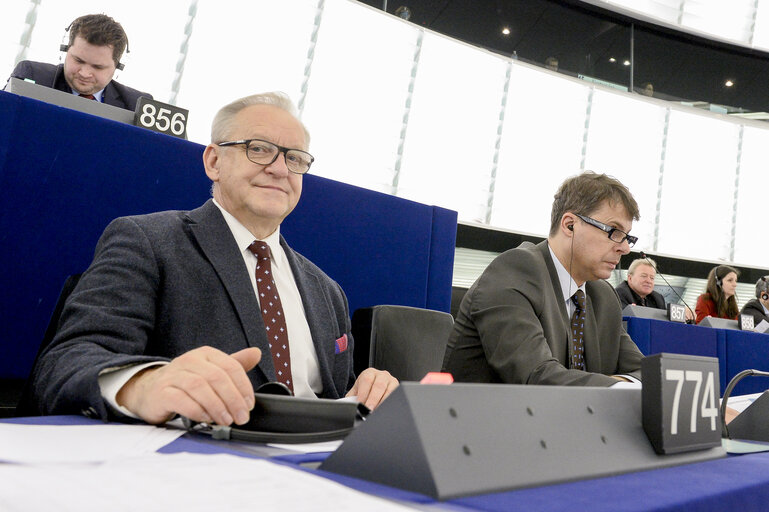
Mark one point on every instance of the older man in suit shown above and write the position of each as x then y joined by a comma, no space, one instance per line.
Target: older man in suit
638,289
187,312
543,314
96,45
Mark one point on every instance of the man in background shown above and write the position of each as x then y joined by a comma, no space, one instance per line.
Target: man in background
96,45
638,289
758,308
544,314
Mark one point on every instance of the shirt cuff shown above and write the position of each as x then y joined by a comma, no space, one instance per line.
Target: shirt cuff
112,379
633,384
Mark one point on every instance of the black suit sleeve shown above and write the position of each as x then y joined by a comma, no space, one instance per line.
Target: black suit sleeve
106,323
625,297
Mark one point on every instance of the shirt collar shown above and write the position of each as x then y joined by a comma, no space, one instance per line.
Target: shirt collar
97,95
244,238
568,285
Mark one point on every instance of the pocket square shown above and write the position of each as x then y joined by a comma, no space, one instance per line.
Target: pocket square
340,345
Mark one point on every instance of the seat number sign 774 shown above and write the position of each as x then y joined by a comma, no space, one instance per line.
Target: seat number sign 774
680,402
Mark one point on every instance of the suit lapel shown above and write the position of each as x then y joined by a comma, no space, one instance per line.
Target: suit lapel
112,97
217,243
59,82
545,251
564,339
317,311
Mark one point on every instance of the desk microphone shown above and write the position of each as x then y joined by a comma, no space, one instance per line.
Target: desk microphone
644,256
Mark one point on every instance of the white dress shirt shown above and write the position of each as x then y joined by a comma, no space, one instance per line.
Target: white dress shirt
568,288
305,368
97,95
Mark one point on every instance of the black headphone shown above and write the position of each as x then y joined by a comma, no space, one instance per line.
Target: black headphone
719,282
763,294
570,227
64,46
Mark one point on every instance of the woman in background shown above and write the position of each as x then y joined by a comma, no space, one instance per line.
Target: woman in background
719,300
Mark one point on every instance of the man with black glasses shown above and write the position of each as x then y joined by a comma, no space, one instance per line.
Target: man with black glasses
544,314
187,312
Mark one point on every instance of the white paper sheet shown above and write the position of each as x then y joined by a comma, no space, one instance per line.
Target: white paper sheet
183,481
328,446
80,443
742,402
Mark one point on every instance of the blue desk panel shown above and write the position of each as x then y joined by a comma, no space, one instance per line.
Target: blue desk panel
735,350
65,175
747,350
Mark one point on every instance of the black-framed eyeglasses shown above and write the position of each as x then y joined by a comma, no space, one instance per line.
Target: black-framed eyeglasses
615,235
264,152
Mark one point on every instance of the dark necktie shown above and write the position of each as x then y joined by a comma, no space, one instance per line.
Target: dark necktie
88,96
577,330
272,314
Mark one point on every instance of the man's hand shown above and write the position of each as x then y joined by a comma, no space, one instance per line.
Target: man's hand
730,414
204,384
372,386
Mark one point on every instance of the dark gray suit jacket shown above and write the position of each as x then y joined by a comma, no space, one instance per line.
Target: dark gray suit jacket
513,327
754,308
165,283
52,76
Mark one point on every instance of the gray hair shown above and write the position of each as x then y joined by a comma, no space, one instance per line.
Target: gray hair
762,286
641,261
221,127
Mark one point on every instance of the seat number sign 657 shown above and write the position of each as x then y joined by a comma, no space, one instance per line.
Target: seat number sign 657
680,402
161,117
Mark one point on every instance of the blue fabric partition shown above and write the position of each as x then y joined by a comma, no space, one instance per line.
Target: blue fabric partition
735,350
64,175
747,350
655,336
640,332
402,246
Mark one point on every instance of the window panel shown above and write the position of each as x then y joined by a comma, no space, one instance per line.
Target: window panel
541,145
12,26
750,242
697,204
728,20
665,10
625,141
761,27
243,48
452,130
357,94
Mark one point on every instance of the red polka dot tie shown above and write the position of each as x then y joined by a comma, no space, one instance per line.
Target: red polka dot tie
577,331
272,313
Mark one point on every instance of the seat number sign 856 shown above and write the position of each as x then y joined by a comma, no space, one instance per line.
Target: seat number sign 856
161,117
680,402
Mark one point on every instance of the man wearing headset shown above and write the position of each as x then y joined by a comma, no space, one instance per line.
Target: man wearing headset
96,44
758,308
544,314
